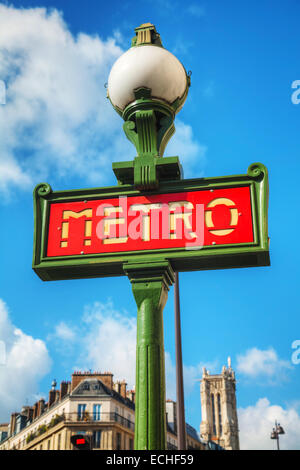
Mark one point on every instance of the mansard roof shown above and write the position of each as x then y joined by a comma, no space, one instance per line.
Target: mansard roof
94,388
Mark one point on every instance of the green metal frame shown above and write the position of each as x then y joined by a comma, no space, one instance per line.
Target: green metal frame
104,264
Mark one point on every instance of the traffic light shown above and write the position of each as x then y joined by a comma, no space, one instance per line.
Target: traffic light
81,442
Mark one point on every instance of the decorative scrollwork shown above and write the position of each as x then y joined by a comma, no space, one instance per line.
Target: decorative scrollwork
129,129
43,189
256,170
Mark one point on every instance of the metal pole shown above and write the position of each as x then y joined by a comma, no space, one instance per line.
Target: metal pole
150,285
277,435
181,431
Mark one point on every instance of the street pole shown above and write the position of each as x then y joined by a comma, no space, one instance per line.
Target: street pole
181,431
277,435
150,285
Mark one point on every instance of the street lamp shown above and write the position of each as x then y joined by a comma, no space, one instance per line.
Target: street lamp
275,433
148,86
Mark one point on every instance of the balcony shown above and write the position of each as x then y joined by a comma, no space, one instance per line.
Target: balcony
98,418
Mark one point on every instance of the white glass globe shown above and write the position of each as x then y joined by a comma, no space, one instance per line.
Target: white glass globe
146,66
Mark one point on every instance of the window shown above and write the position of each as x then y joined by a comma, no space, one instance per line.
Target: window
96,412
118,441
81,411
58,441
48,445
213,413
130,444
97,439
116,414
219,412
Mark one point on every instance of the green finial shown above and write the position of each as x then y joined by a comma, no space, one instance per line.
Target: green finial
146,34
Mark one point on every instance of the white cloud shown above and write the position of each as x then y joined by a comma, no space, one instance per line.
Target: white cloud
64,332
256,423
57,121
192,374
26,362
262,363
192,155
109,343
106,339
56,117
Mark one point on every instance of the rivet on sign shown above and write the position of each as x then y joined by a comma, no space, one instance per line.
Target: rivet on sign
211,190
240,213
213,243
82,252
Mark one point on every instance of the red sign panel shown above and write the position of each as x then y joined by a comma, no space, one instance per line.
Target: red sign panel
190,220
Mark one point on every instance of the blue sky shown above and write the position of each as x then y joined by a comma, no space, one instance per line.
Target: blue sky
57,126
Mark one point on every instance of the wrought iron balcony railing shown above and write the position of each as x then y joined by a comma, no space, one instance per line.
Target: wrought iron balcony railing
95,418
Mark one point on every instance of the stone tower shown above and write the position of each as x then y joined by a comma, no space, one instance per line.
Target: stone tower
218,406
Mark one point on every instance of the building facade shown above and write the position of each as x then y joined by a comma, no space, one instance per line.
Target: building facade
219,410
90,404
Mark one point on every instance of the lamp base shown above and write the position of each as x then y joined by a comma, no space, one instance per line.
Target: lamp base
153,171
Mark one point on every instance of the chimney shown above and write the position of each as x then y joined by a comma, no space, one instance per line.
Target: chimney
40,406
106,378
63,390
123,386
131,395
35,410
30,413
52,396
13,423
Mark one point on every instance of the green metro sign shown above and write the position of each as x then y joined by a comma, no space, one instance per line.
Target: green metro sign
153,223
195,224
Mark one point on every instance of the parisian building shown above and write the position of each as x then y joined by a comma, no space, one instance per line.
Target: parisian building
219,423
91,404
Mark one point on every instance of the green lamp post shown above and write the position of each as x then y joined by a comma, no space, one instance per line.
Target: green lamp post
147,86
75,238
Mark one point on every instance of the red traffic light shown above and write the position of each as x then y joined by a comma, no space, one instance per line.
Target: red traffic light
81,442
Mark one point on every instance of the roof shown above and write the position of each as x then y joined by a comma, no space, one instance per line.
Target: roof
92,387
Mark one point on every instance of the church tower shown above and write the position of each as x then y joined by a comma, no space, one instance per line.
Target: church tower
218,406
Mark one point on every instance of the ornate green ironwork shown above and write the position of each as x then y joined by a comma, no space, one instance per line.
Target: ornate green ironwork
149,125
